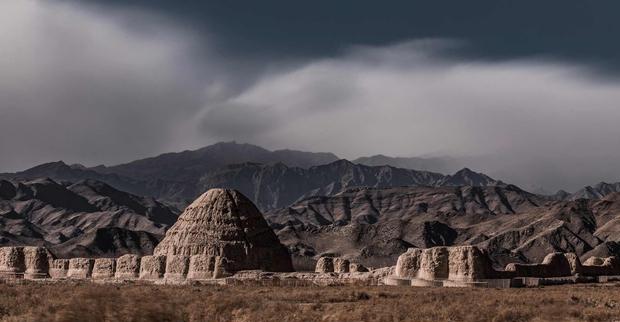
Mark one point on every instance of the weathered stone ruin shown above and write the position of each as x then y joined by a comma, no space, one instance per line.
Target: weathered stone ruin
574,262
434,263
325,265
37,261
127,267
553,265
12,261
201,267
59,268
408,264
439,265
341,265
329,264
225,223
104,268
152,267
80,268
222,267
470,266
469,263
597,266
176,267
219,234
357,268
222,237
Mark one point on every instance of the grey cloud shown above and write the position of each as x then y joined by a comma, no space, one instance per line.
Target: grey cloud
533,122
96,86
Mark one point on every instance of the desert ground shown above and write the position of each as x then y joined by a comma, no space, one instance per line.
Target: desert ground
85,301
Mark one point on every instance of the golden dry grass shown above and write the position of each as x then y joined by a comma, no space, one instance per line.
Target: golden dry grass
91,302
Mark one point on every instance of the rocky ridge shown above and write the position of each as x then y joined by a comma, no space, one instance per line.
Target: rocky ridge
373,226
85,218
271,179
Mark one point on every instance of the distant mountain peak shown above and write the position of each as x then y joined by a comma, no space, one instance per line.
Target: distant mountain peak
49,165
433,164
597,191
468,177
466,171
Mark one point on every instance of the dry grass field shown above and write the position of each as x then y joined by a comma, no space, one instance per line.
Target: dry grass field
92,302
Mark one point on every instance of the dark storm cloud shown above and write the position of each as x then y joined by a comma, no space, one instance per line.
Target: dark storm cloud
514,94
532,122
496,29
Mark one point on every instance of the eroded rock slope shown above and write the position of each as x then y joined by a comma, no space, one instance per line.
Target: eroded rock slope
83,219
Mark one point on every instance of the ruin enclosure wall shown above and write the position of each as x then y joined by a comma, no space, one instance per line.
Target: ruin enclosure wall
80,268
597,266
470,263
434,263
357,268
12,261
575,263
59,268
341,265
325,265
176,267
127,267
408,263
152,267
221,268
37,262
553,265
104,268
201,267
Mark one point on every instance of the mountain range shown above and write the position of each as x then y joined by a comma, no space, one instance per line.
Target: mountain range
433,164
374,226
272,179
317,203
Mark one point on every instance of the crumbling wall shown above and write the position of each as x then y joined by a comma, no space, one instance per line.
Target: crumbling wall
341,265
59,268
221,268
594,261
176,267
576,268
37,261
104,268
325,265
408,263
458,263
328,264
469,263
80,268
553,265
12,262
201,267
152,267
128,267
357,268
597,266
434,263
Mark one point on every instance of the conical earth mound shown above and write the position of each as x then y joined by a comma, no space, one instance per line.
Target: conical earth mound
225,223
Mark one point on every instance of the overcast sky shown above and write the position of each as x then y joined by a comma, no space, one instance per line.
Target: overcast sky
525,91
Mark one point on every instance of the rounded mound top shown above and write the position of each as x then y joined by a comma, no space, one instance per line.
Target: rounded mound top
223,222
214,194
